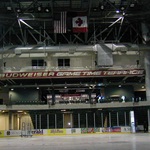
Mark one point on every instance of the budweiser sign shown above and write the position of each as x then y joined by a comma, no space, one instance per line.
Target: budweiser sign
63,74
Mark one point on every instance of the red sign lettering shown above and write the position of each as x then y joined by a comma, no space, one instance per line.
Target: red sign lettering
63,74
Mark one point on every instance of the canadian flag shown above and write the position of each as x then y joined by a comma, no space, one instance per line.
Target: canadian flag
80,24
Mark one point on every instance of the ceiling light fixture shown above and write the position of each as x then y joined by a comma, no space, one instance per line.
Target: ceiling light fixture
122,8
18,10
117,11
20,111
47,10
132,5
102,7
9,8
39,8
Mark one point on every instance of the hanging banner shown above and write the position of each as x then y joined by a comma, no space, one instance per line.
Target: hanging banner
66,74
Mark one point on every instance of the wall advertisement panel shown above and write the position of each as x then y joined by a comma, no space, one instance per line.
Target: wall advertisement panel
126,129
39,132
12,133
112,129
56,132
71,131
90,130
1,133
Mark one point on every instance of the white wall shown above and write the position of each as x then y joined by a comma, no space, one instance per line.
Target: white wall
17,62
77,59
4,123
127,60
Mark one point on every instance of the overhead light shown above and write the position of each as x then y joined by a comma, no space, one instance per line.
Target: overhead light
9,8
100,84
122,8
102,7
90,87
12,89
20,111
47,10
69,123
65,87
5,85
132,5
18,10
63,110
117,11
95,9
119,85
39,8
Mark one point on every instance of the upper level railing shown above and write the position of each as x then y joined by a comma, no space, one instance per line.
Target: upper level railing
73,101
54,68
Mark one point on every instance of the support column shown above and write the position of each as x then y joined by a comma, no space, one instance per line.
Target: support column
102,120
78,120
40,121
36,121
90,92
53,96
55,121
125,118
10,120
117,119
71,120
63,120
18,121
147,75
146,38
109,119
148,111
145,32
132,122
94,119
47,121
86,120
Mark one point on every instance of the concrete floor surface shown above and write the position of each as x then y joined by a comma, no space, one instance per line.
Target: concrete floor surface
138,141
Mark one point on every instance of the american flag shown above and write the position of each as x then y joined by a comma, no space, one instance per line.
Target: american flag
60,25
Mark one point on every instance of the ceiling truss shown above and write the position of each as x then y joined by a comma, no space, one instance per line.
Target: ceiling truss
29,22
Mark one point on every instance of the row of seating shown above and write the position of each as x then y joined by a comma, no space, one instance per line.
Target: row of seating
86,101
72,101
27,102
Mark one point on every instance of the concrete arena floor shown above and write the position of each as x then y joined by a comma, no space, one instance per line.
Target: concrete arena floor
138,141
